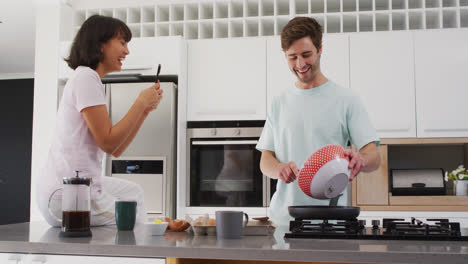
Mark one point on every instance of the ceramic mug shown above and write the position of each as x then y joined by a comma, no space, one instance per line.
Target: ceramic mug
125,214
229,224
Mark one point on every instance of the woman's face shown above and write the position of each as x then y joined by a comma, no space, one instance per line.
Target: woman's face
114,52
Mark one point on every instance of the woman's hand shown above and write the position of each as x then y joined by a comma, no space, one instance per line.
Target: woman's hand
150,97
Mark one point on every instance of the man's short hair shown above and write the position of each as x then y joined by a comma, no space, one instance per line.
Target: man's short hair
300,27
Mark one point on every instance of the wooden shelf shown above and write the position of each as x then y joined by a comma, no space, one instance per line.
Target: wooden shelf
442,200
370,191
452,208
412,141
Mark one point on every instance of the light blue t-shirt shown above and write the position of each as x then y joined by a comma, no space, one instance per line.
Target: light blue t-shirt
300,122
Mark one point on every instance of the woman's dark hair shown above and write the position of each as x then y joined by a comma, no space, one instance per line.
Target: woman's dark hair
300,27
95,31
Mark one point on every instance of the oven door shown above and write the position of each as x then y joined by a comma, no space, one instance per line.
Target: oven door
226,173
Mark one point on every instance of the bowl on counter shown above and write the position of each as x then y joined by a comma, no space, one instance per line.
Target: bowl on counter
156,229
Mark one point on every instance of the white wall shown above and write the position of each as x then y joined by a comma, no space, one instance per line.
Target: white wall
17,39
45,89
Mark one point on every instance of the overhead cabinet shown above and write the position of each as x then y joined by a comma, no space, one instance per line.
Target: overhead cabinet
382,72
441,63
144,56
226,79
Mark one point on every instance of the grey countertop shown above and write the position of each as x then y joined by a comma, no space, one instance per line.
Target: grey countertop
39,238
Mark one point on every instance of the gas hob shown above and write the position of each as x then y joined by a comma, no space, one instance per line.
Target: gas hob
390,229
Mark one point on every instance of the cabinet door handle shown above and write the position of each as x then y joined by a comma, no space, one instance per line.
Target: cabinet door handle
16,259
39,259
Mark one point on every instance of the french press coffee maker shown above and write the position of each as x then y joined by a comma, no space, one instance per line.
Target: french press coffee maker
76,207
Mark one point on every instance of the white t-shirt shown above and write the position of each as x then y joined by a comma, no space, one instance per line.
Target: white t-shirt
302,121
73,147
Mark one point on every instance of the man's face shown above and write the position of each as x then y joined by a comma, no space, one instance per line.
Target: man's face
304,59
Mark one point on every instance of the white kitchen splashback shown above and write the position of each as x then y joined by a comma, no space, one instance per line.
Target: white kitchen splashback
249,18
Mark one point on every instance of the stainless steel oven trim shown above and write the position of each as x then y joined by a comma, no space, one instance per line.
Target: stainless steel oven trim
225,142
267,192
222,132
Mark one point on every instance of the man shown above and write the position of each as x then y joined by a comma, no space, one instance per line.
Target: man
313,113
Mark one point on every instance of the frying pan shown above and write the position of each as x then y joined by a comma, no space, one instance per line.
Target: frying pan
323,212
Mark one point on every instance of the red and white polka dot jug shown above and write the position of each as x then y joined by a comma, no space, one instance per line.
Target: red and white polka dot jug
325,173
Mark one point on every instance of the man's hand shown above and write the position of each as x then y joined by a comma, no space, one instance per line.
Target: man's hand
356,163
287,172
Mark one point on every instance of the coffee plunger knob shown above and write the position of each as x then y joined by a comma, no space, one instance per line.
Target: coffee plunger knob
76,173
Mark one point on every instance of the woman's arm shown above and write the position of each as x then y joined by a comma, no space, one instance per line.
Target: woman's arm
109,138
131,136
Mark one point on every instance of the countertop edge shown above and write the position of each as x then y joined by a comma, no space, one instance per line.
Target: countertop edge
138,251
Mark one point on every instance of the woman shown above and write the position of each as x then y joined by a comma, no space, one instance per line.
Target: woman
84,130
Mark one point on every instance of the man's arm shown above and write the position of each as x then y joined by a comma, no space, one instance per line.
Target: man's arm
274,169
370,154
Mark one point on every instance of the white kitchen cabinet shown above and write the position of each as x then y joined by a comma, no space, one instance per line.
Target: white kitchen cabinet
226,79
441,60
144,56
334,64
146,53
60,259
13,258
382,72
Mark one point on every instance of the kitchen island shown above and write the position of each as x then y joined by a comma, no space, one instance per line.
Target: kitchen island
183,247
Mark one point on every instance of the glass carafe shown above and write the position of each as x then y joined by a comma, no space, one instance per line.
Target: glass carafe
76,207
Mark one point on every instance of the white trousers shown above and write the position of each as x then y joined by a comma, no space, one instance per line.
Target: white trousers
102,207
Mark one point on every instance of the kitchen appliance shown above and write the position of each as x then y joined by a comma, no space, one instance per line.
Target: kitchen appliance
332,211
390,229
149,173
150,160
324,212
417,182
223,167
76,207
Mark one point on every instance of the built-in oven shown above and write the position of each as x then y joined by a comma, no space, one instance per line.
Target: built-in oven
223,165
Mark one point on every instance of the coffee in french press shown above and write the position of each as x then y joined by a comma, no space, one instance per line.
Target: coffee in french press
76,207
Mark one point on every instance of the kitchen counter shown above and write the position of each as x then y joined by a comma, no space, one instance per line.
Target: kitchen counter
39,238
